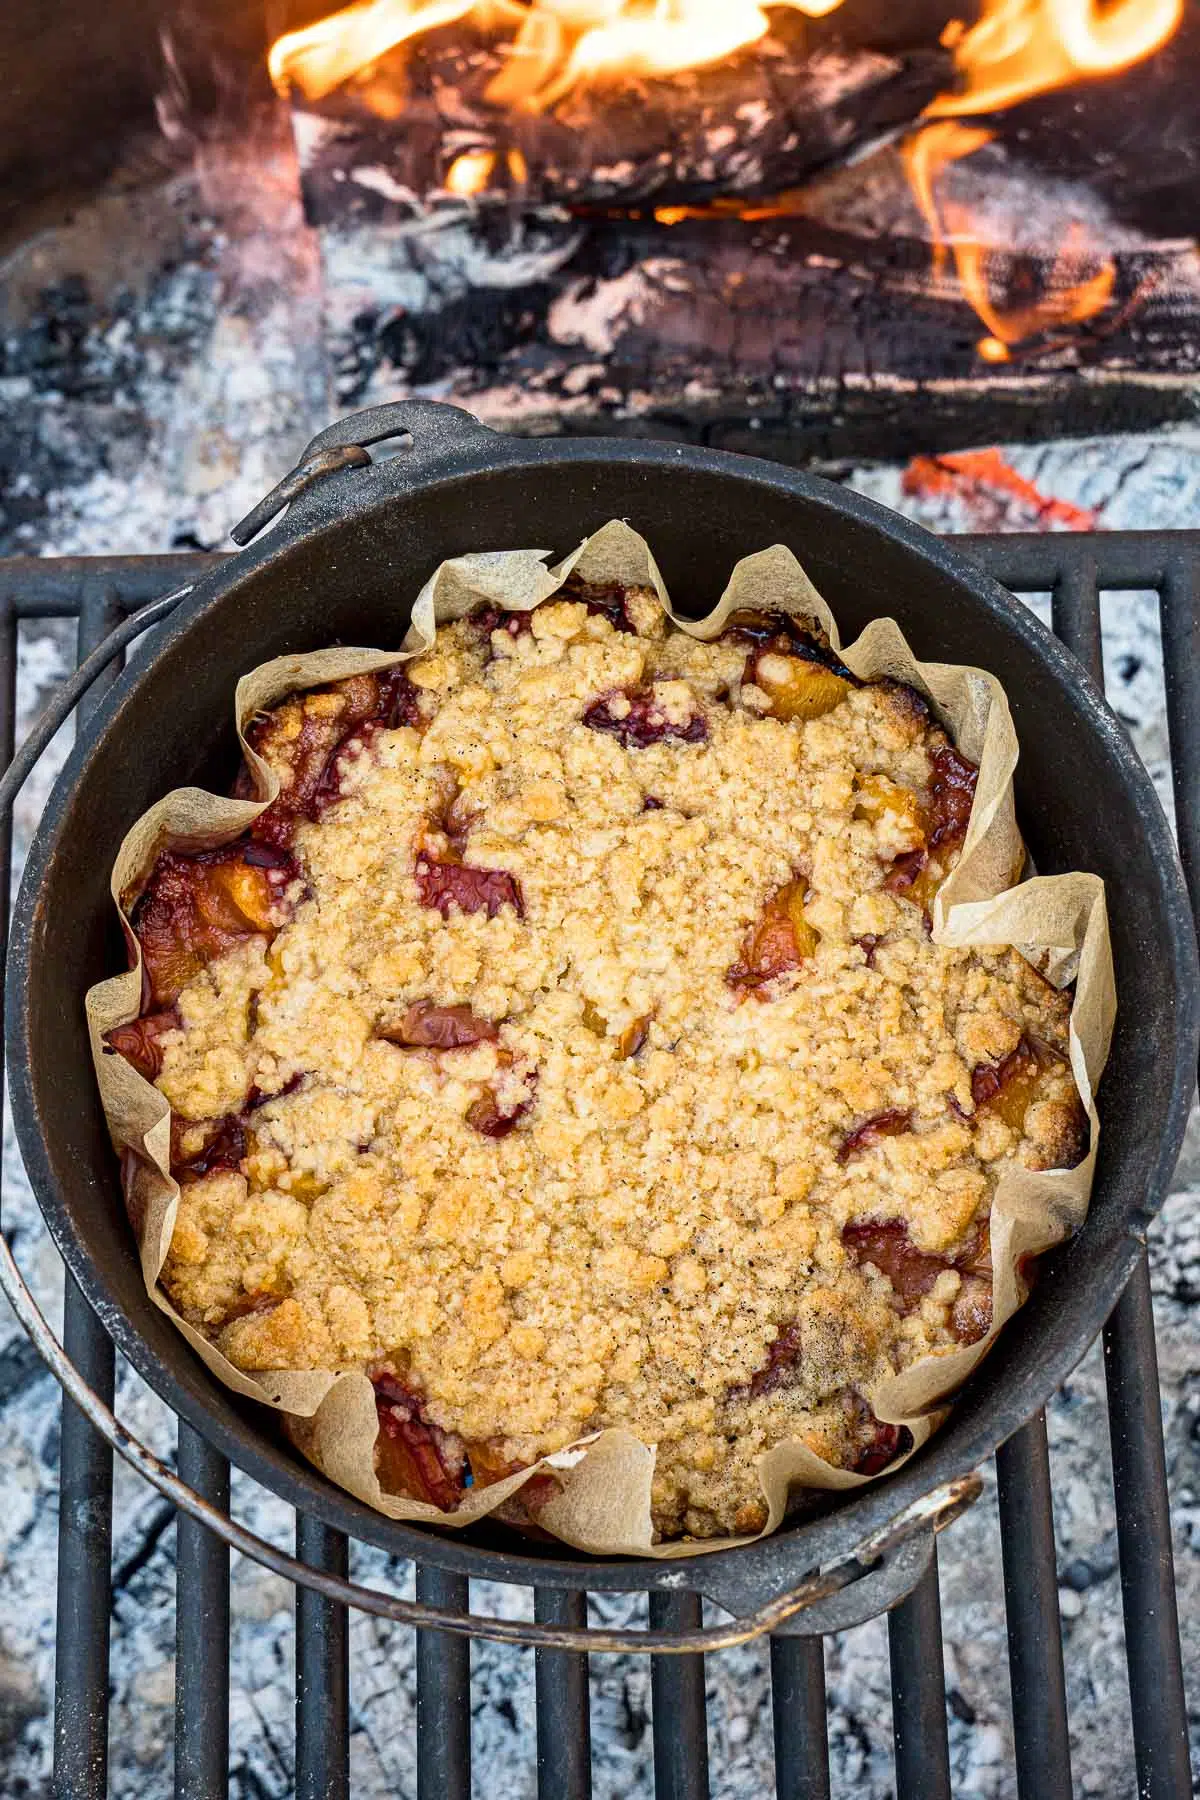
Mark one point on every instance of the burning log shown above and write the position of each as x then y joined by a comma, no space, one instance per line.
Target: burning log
455,125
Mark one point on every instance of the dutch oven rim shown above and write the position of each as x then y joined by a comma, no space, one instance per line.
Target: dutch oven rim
356,493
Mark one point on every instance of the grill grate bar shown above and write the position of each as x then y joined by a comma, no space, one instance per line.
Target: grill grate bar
1131,1369
1075,613
1179,613
1156,1689
84,1568
677,1704
201,1631
8,708
58,587
564,1731
1039,1690
801,1729
322,1671
1031,562
1152,1648
443,1694
919,1692
85,1460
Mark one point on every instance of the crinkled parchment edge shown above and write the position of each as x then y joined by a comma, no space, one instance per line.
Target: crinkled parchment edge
1058,922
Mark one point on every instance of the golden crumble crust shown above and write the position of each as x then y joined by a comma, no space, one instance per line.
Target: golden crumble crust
604,1071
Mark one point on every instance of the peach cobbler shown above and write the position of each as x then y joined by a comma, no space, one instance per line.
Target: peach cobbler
566,1047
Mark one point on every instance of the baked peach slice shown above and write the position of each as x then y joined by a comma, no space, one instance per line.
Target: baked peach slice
780,940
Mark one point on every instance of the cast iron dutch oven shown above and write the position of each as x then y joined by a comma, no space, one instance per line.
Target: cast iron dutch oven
344,566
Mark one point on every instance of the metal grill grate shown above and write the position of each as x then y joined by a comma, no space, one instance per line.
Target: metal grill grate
101,593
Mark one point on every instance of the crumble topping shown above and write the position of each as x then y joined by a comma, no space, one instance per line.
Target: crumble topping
566,1046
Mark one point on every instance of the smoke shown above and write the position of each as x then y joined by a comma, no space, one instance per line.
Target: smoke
173,101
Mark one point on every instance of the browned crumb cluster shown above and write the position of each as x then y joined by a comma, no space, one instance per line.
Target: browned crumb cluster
567,1048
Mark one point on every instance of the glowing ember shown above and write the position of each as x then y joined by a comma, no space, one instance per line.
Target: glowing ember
982,480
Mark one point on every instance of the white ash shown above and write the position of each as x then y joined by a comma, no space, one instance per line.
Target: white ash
836,76
591,313
379,180
422,268
147,408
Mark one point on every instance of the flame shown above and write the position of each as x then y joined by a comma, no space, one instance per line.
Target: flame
322,56
925,156
1070,298
555,43
1021,48
663,39
1018,50
470,173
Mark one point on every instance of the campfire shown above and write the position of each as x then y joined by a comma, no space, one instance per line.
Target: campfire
687,210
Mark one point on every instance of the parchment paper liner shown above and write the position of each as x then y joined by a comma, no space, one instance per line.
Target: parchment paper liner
1058,922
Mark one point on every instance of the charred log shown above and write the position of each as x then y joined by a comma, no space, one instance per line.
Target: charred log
784,337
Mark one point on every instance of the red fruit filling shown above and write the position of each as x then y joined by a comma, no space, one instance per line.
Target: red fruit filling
872,1131
879,1444
412,1456
644,723
1008,1086
369,702
951,796
912,1272
426,1026
140,1042
443,884
608,599
223,1149
494,1120
195,908
780,940
783,1358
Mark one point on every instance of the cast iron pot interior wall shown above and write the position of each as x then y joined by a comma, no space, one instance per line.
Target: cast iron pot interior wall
345,566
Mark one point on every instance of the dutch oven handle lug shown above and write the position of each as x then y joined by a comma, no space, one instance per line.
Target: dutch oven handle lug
883,1571
881,1586
432,426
